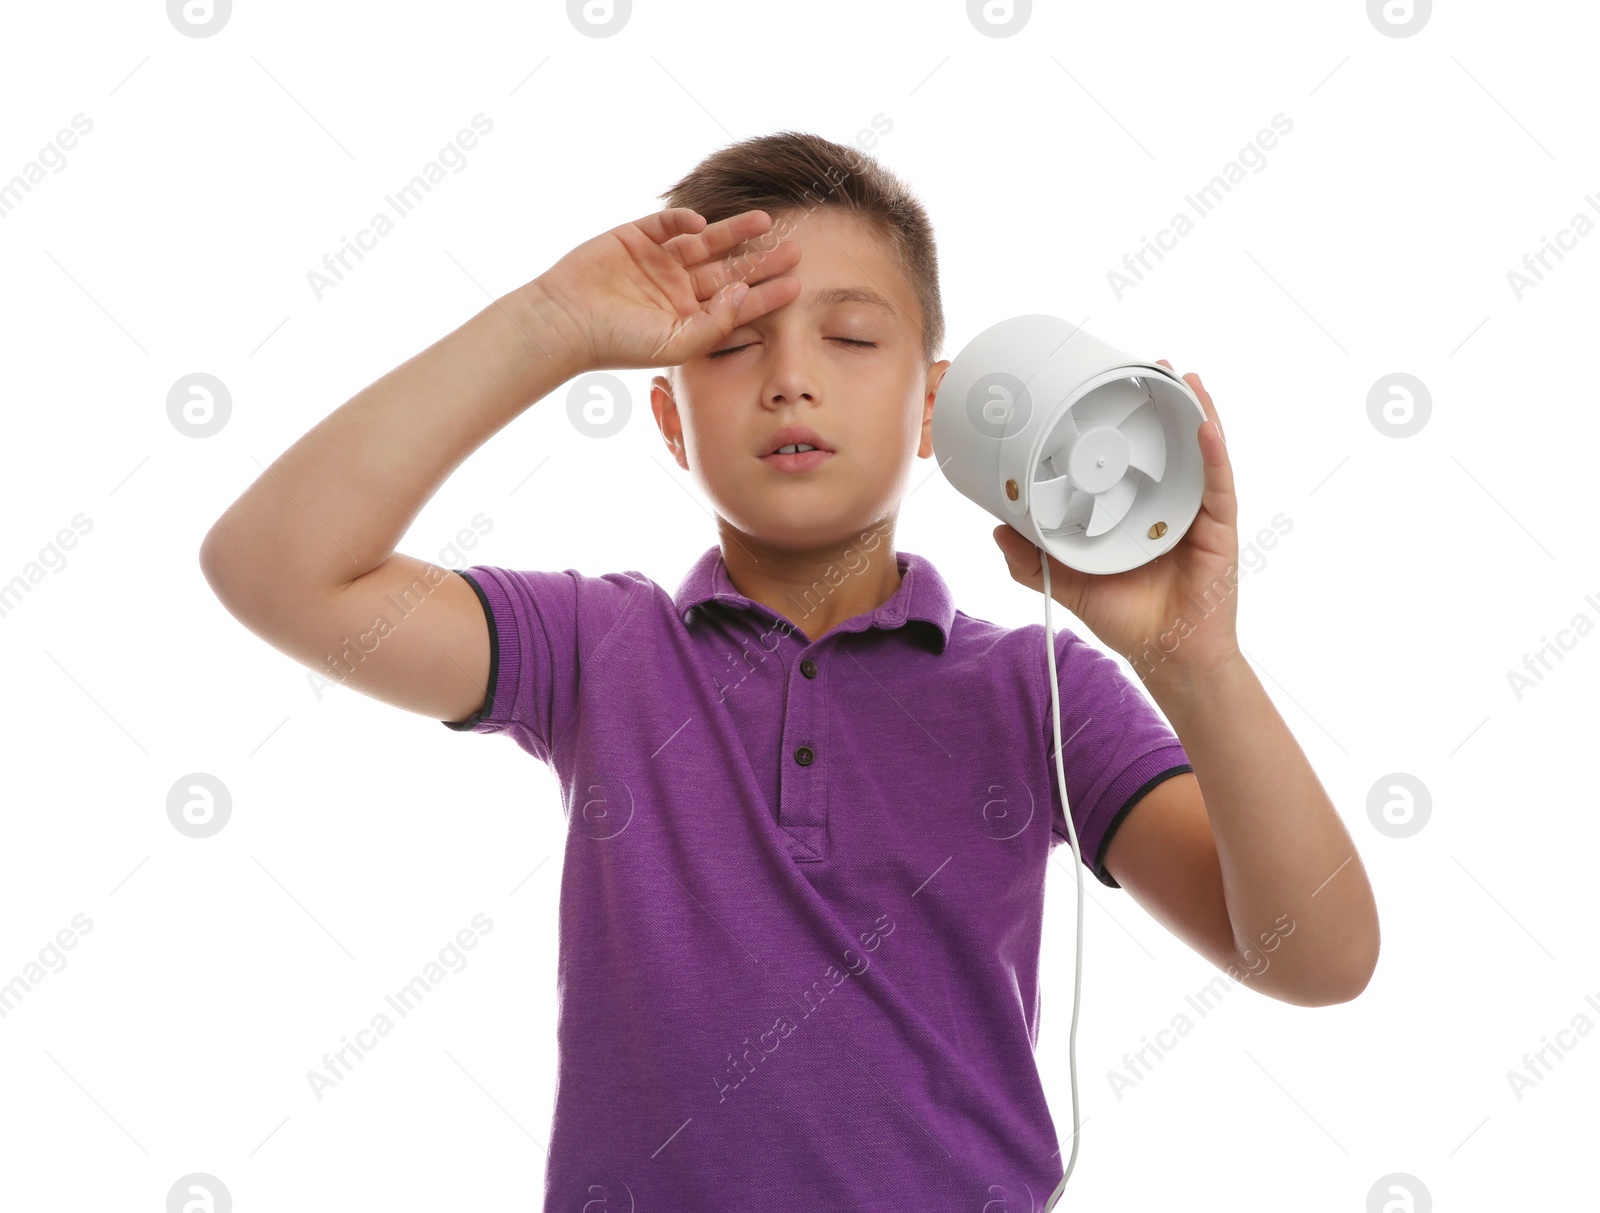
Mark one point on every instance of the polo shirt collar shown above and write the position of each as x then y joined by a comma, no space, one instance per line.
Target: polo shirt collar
922,595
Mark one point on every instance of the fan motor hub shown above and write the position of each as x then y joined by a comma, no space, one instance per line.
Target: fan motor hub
1098,459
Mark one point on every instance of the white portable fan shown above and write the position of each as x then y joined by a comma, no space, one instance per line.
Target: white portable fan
1093,455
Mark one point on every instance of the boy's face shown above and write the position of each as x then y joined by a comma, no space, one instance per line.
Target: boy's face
797,366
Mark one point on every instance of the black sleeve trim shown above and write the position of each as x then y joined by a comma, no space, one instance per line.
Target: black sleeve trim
471,722
1105,841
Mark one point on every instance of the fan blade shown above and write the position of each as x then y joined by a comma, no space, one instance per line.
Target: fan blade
1056,502
1109,405
1147,444
1049,501
1111,505
1059,443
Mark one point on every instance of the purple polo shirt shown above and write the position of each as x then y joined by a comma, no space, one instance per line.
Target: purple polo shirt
803,884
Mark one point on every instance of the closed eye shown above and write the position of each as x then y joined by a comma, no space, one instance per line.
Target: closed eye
847,340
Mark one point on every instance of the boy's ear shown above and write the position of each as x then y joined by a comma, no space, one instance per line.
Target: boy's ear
935,376
665,409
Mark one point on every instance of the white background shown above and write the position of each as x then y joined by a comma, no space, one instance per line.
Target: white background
1418,571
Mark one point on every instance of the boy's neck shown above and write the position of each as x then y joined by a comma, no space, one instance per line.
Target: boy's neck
816,590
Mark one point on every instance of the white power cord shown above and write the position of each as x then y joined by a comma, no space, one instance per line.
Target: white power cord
1077,867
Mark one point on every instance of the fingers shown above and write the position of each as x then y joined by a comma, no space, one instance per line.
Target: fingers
679,232
720,315
767,297
694,246
1193,381
751,267
1219,499
1021,555
1206,403
674,221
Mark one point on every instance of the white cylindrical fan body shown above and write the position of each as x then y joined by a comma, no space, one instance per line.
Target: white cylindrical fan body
1092,454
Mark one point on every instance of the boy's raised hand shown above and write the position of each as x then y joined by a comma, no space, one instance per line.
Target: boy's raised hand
657,291
1183,606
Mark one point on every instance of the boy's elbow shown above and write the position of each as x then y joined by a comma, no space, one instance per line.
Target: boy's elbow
232,571
1348,990
1342,985
1347,976
216,552
1363,976
1361,972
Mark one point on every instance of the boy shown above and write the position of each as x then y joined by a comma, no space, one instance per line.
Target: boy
809,802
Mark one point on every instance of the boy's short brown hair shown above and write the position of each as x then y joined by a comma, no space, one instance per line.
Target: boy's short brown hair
793,170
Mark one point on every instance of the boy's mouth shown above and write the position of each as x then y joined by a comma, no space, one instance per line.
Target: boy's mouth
801,461
796,448
795,436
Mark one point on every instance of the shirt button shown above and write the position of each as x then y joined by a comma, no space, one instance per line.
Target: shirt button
804,756
808,668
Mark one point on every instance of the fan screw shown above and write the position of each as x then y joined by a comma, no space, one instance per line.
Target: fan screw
1011,489
1157,530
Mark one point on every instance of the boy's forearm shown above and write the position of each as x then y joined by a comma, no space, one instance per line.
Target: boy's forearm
334,505
1282,847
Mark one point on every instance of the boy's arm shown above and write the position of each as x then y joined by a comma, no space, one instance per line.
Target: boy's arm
1246,859
1246,850
305,557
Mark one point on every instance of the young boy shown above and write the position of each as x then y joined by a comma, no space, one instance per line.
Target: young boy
809,801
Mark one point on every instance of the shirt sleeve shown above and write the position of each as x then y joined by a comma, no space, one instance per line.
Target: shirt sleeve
1115,746
543,628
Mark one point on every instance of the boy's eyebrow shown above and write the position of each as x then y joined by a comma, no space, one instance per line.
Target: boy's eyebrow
833,295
